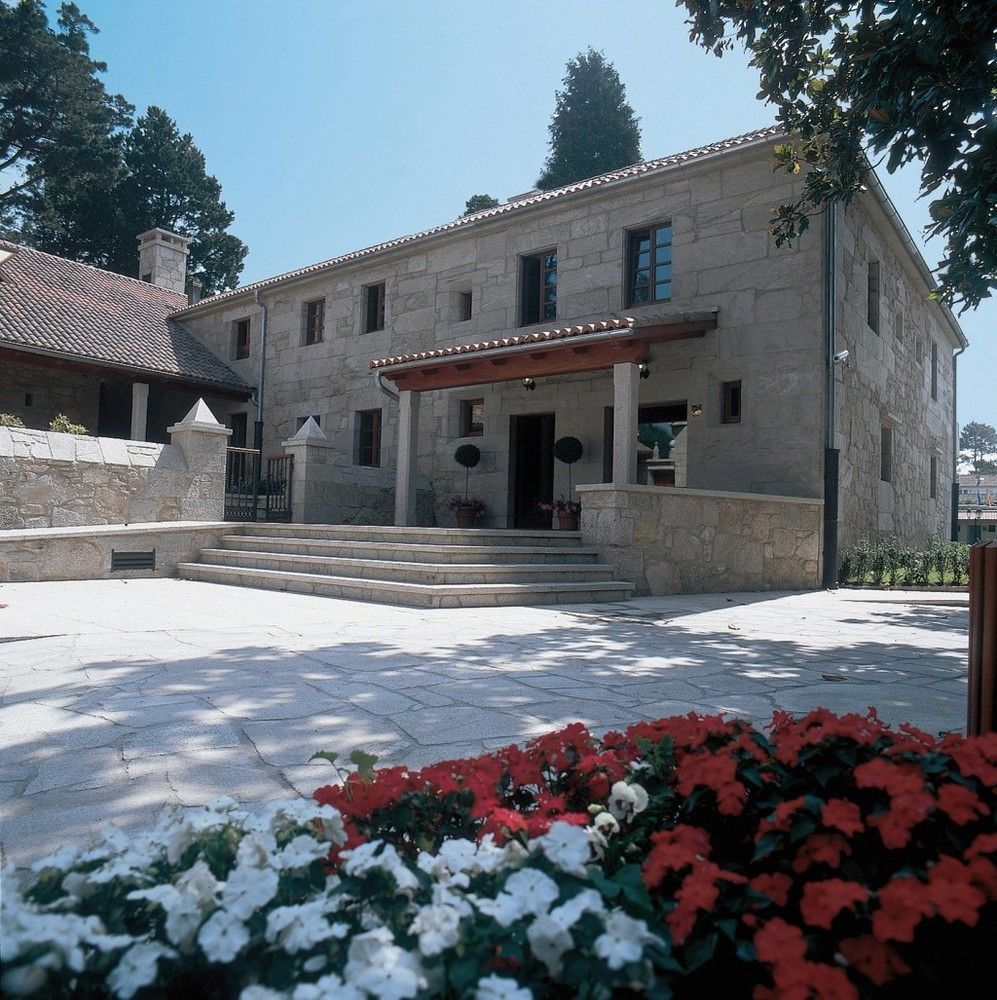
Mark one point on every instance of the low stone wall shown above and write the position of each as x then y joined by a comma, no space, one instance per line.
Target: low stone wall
680,541
85,553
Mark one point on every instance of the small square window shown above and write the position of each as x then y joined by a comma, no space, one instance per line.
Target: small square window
649,264
933,478
872,296
538,279
730,412
314,321
373,307
241,339
464,306
886,454
367,448
472,417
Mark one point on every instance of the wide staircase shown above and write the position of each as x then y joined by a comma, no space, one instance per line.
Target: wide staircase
420,567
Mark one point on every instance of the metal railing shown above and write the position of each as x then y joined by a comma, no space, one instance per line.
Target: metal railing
278,487
241,471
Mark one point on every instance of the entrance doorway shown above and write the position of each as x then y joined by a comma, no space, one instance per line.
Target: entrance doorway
531,469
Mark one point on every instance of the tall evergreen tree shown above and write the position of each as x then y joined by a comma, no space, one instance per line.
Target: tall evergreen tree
978,442
593,129
479,202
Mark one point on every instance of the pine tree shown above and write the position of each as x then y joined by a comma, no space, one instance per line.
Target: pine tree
479,202
593,129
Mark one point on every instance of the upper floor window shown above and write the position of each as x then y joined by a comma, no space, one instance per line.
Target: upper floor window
649,265
886,454
314,321
367,447
464,305
872,295
934,371
472,417
731,403
241,338
539,283
898,325
933,478
373,307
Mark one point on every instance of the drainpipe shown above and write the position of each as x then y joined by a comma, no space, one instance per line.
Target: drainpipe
261,382
383,386
830,570
954,526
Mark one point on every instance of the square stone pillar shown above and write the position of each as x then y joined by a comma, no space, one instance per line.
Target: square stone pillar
626,383
202,442
311,474
405,464
140,411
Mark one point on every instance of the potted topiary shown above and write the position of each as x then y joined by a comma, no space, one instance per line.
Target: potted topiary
567,450
467,509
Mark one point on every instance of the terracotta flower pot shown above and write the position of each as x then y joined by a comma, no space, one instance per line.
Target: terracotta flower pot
465,517
567,522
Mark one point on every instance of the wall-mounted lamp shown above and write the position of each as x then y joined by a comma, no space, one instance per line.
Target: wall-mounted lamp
645,370
529,384
697,409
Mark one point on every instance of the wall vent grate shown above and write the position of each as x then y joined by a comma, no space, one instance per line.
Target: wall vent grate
132,560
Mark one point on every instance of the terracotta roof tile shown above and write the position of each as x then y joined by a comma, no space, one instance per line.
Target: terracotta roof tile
638,169
51,305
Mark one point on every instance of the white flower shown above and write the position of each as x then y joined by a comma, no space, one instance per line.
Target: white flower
499,988
606,824
566,846
569,913
625,801
183,913
525,891
623,941
298,928
377,965
137,967
256,848
327,820
262,993
300,853
549,941
438,928
62,860
248,889
223,936
377,855
329,987
199,883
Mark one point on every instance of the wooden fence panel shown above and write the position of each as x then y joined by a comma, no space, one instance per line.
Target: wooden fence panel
982,700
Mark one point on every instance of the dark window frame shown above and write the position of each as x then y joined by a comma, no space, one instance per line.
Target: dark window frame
239,425
656,248
314,319
934,370
465,305
242,344
374,296
537,278
885,453
730,402
468,426
367,439
933,477
872,305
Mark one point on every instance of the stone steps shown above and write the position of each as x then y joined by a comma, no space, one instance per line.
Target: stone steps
420,567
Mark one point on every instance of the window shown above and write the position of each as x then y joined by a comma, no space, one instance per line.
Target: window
934,371
886,454
238,423
919,351
368,438
472,417
29,399
241,338
300,422
464,303
314,321
539,284
933,478
898,325
872,296
373,308
730,412
649,265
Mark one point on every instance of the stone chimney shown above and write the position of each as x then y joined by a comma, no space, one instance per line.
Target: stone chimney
162,259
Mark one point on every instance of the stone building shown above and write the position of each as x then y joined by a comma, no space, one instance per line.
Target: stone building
645,306
101,348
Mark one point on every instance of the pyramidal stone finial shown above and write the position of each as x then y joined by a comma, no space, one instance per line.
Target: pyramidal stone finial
310,431
199,418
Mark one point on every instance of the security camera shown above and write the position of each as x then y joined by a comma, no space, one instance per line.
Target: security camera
840,357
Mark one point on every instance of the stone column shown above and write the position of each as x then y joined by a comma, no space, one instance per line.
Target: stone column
405,463
626,382
140,411
201,441
311,474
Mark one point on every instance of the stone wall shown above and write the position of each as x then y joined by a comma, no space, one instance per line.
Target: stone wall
51,391
85,553
685,541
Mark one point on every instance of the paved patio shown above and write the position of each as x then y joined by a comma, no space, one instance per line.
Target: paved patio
121,696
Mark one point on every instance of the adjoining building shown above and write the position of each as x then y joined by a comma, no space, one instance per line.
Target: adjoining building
977,507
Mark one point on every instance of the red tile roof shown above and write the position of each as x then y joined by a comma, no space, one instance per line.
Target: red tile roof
521,203
52,306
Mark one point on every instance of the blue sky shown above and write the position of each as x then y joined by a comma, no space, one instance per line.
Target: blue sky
334,124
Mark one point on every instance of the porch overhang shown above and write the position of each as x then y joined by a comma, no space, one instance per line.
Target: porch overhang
563,351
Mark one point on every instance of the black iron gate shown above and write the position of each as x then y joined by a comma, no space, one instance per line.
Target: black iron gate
253,493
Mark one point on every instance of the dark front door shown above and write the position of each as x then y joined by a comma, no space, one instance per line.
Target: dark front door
531,469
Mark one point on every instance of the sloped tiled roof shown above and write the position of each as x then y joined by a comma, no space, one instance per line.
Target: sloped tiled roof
57,307
520,204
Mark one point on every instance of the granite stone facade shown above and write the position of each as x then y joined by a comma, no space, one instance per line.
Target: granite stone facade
37,395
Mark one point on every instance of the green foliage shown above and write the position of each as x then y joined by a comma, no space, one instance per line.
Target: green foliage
479,202
61,424
907,80
593,129
57,122
888,561
567,450
977,442
10,420
467,455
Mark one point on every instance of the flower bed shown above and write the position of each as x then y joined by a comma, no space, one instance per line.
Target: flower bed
831,857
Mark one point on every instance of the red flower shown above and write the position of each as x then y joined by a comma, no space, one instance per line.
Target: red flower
781,817
905,812
895,778
951,891
674,850
778,941
960,804
823,901
975,757
985,843
821,849
697,892
839,814
775,885
876,961
717,771
902,904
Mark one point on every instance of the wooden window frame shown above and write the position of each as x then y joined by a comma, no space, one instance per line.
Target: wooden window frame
730,402
314,322
374,296
368,453
655,250
541,310
242,347
468,428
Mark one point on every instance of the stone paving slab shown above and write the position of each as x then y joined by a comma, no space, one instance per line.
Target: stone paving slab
118,697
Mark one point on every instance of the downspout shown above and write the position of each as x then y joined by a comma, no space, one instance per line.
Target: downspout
829,578
954,526
261,382
380,383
